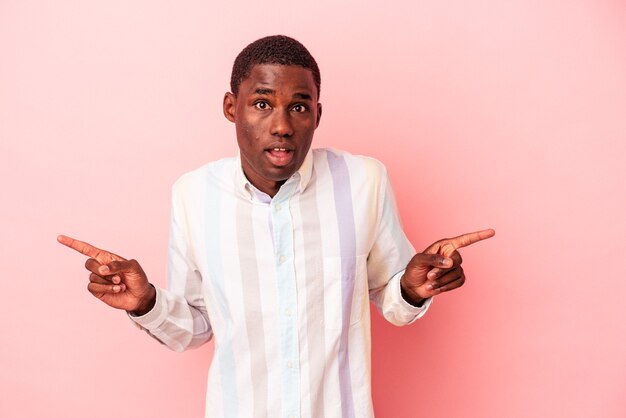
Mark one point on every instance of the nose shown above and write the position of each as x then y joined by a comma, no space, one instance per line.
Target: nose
281,124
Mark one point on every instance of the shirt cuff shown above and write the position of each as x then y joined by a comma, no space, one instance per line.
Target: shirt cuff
154,317
411,313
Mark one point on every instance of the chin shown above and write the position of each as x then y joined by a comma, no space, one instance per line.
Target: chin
280,173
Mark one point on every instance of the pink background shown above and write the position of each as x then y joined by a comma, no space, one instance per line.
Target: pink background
509,115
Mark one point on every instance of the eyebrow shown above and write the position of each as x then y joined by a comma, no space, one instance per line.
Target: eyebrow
303,96
269,92
263,91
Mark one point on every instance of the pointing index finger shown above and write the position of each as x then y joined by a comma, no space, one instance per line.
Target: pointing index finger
471,238
80,246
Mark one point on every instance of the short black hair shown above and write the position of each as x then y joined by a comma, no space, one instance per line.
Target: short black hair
276,49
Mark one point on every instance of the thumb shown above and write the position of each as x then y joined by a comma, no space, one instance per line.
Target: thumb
120,266
425,261
417,270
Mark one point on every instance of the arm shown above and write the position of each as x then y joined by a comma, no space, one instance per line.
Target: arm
179,318
176,317
387,260
415,278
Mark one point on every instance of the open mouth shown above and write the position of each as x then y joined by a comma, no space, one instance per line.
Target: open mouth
279,156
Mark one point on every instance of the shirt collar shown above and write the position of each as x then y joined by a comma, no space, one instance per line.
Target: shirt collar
302,176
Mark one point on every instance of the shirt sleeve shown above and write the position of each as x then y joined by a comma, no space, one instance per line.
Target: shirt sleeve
387,260
179,317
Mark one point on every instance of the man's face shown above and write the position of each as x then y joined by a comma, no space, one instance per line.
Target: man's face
275,113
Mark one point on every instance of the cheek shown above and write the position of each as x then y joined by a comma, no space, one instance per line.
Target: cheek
250,131
307,133
244,133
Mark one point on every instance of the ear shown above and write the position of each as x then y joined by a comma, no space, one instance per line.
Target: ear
319,114
230,106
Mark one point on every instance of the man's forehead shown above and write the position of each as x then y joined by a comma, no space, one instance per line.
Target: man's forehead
279,77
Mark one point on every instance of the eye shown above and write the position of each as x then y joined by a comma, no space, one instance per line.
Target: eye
299,108
262,105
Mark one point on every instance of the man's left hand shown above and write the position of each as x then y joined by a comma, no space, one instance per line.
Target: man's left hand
438,268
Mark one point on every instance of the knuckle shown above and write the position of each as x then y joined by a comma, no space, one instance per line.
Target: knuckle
134,264
89,263
95,290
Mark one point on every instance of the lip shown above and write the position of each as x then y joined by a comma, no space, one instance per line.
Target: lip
284,145
279,156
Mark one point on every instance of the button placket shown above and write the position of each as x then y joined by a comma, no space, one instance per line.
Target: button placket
282,224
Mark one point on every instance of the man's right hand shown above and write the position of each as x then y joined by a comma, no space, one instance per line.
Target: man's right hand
118,282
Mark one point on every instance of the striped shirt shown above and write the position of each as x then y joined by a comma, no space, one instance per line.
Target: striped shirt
283,284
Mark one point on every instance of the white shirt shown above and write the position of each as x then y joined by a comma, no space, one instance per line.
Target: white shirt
283,284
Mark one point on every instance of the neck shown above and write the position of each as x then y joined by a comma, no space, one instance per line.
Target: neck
268,187
271,189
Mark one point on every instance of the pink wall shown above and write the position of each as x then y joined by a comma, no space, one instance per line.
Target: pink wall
509,115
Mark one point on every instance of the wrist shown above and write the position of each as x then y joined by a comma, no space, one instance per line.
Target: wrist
146,303
410,296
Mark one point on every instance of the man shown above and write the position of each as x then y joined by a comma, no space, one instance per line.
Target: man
277,252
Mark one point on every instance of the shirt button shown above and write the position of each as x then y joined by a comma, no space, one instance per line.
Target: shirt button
282,258
277,207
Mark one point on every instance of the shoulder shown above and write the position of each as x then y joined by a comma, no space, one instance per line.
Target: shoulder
356,166
214,173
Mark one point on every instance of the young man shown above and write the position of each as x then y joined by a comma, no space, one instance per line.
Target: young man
277,252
